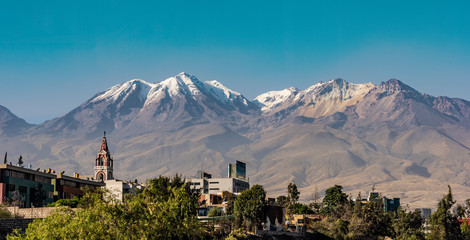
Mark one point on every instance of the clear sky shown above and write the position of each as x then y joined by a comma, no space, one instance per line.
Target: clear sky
54,55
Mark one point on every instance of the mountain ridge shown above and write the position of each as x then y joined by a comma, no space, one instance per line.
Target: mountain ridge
332,132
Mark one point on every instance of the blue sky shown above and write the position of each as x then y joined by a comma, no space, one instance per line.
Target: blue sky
54,55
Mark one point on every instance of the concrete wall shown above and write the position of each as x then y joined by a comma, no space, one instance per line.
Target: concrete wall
116,189
42,212
7,225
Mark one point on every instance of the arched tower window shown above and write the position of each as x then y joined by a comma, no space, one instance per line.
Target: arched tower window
100,176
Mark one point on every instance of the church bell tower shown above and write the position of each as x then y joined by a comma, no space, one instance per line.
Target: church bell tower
104,162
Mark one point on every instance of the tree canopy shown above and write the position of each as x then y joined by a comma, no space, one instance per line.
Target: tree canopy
292,193
334,197
170,214
444,224
249,206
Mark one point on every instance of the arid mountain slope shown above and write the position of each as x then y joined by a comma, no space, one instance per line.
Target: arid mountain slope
409,144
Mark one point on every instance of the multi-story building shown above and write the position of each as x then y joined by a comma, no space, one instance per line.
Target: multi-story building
118,188
69,187
38,188
218,191
389,204
217,185
237,170
32,188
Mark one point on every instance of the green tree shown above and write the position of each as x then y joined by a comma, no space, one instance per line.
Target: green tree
372,222
408,225
215,212
467,208
145,216
4,213
334,197
292,193
299,208
229,207
443,224
249,207
73,202
282,201
465,229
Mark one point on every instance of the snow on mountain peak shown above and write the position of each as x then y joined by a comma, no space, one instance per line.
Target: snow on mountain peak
221,92
338,89
123,90
272,99
186,84
181,83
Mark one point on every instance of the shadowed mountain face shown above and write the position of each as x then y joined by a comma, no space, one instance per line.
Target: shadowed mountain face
10,124
409,144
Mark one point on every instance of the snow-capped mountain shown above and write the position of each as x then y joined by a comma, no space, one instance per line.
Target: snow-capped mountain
358,104
398,104
205,93
317,101
176,102
274,99
334,132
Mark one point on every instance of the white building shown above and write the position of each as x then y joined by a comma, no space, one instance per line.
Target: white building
217,185
118,188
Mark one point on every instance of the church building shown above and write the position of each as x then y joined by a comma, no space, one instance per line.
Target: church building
104,162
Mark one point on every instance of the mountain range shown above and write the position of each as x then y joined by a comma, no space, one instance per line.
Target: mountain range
405,143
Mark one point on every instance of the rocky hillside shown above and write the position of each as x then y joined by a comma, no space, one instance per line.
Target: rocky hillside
409,144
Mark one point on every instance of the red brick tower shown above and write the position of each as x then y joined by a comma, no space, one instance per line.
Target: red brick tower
104,162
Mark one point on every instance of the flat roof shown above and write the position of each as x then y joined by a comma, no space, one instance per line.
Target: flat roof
26,170
79,180
50,175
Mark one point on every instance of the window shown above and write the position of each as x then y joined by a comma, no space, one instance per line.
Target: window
10,187
213,182
195,183
42,179
69,183
214,189
22,189
17,174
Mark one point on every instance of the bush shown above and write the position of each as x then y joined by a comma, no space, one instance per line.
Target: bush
4,213
215,212
166,209
73,203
